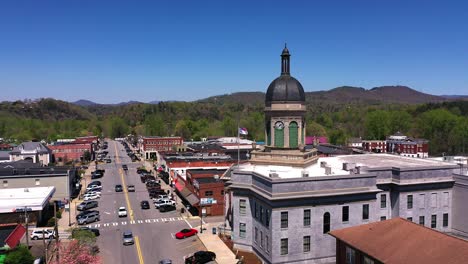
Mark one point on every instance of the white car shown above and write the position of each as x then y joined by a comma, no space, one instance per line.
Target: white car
122,212
89,197
93,193
164,202
42,233
94,188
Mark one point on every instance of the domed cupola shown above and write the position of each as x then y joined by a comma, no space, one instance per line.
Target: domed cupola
285,88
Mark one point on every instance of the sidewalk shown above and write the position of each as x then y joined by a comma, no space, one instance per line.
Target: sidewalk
214,243
70,215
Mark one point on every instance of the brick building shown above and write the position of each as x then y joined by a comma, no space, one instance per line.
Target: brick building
150,146
71,152
207,186
376,146
407,146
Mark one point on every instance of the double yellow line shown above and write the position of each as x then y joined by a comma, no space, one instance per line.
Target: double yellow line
137,240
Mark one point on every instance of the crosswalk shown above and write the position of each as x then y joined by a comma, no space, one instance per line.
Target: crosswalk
135,222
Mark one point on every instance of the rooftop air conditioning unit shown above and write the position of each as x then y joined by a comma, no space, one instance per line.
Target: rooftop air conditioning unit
323,164
274,175
347,166
305,174
328,170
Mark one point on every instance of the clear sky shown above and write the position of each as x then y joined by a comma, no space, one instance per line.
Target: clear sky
113,51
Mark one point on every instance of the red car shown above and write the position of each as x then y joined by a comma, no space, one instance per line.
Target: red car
186,233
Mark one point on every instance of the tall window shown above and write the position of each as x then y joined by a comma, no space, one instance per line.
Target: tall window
267,241
284,219
433,221
326,222
409,219
293,135
445,220
365,212
368,260
267,218
383,218
433,199
261,213
255,209
345,213
284,246
242,230
306,244
256,235
38,182
307,217
422,201
445,199
350,255
409,201
421,220
261,239
383,201
242,206
5,183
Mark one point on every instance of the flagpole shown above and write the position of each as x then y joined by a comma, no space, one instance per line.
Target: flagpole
238,140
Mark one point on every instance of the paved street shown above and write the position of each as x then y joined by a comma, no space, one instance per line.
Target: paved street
153,231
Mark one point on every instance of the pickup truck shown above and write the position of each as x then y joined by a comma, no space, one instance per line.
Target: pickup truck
163,202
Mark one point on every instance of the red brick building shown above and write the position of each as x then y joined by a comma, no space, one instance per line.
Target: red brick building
70,152
150,146
376,146
204,190
407,146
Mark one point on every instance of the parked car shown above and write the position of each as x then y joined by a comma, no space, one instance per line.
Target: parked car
95,231
93,192
131,188
98,183
89,197
141,170
94,187
125,167
201,257
96,175
108,161
85,213
87,205
128,238
162,196
167,208
164,202
145,205
118,188
42,233
122,212
165,261
89,218
155,192
186,233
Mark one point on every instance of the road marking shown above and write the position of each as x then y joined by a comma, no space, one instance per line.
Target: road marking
106,224
140,221
148,221
132,222
140,255
115,224
124,223
107,213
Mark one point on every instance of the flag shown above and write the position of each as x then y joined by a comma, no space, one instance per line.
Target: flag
243,131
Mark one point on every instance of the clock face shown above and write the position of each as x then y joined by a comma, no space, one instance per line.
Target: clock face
279,125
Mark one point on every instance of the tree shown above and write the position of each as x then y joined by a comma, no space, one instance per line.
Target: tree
87,155
378,124
75,252
20,255
84,236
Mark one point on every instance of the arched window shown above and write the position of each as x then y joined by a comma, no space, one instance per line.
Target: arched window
293,135
326,222
279,137
268,133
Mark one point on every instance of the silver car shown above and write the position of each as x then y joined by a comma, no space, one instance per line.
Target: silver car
128,238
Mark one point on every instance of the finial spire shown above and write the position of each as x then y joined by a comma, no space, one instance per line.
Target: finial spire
285,61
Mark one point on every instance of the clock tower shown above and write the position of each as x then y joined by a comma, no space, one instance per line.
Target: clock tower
285,111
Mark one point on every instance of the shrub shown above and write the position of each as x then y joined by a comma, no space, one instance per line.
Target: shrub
20,255
59,214
51,222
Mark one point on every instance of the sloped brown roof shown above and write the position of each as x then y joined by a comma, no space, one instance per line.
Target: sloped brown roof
400,241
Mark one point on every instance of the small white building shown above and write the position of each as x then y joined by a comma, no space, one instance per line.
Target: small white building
34,151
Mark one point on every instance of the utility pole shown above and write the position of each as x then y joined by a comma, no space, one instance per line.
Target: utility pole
44,245
56,231
201,218
27,225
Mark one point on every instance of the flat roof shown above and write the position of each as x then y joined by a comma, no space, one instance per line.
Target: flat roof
371,161
402,241
34,197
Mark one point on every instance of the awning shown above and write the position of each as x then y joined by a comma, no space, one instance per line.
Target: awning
186,193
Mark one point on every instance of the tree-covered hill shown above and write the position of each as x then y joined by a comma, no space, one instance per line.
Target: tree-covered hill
339,114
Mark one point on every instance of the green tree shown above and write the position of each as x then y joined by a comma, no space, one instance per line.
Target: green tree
378,124
20,255
84,236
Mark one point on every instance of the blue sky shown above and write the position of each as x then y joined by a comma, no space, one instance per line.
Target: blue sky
113,51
